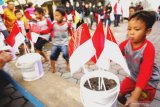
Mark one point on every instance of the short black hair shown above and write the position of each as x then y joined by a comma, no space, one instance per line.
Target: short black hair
132,7
17,11
30,4
148,17
60,10
39,10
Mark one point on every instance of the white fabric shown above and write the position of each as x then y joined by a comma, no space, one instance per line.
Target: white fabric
69,17
22,26
19,39
81,55
119,9
2,44
34,37
112,52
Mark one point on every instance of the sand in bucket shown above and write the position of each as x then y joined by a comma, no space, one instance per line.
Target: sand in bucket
92,98
31,66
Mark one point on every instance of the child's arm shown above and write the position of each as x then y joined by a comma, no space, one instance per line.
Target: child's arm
48,30
145,73
134,96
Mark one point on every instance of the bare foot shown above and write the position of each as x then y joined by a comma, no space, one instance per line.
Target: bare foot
68,68
52,70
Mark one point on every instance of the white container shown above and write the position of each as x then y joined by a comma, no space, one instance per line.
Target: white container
31,66
91,98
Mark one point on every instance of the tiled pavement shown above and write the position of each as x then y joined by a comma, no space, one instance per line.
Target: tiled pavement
120,35
10,97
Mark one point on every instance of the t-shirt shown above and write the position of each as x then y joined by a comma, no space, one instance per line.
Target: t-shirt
45,28
60,34
9,19
141,63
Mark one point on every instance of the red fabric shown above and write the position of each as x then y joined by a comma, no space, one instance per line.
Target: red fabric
128,85
146,66
122,45
81,36
71,46
70,30
98,41
48,30
115,8
73,13
96,17
110,35
33,28
28,16
10,40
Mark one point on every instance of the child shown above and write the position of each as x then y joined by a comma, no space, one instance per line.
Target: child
132,10
22,27
60,42
139,54
20,22
45,29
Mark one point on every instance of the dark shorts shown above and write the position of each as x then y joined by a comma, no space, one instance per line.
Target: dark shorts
56,51
40,43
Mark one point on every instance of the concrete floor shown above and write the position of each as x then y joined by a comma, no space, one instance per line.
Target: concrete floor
120,35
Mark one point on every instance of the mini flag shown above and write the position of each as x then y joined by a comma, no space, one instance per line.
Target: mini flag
98,41
16,38
112,52
33,34
83,48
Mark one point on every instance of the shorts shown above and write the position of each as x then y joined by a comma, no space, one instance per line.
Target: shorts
128,85
40,43
56,51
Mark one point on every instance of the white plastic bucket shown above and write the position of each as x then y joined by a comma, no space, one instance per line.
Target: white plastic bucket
31,66
91,98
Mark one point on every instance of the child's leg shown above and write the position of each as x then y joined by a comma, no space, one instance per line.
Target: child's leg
43,54
53,63
126,87
54,56
64,50
39,45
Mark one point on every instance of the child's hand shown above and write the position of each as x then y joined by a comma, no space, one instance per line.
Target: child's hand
130,100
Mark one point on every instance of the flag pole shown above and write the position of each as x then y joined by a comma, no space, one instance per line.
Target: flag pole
32,46
26,48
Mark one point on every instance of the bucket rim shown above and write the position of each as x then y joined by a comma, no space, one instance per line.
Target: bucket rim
83,80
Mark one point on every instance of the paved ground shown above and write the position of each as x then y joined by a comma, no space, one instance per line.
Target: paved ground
10,97
120,35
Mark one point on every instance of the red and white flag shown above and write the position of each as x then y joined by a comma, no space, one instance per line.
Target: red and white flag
112,52
83,48
33,34
16,38
98,41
